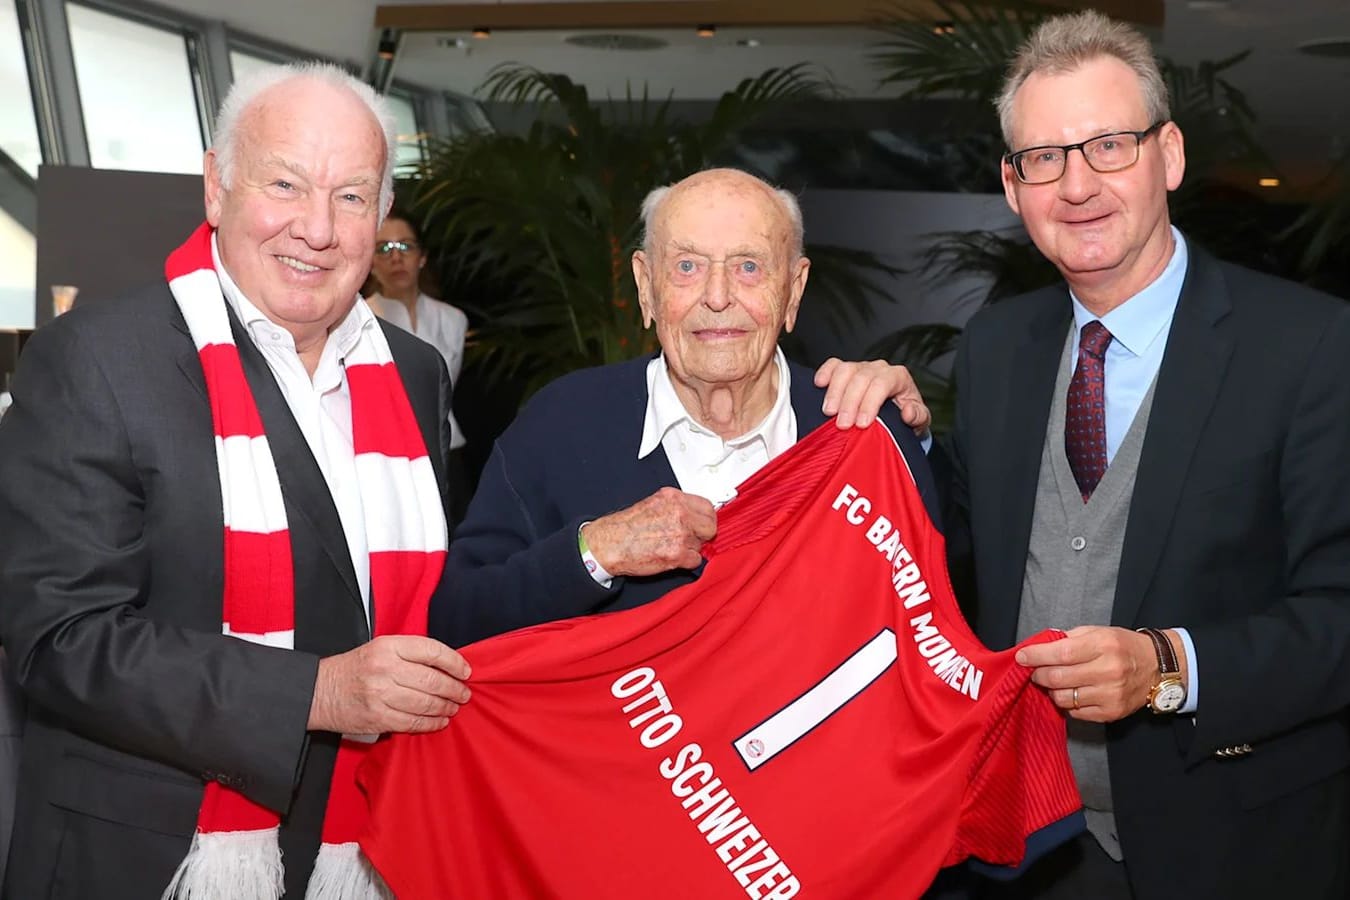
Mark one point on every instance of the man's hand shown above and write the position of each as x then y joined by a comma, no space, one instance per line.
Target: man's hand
395,683
663,532
1112,669
855,391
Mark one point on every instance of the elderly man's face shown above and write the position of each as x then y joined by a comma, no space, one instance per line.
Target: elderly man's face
296,229
720,282
1102,230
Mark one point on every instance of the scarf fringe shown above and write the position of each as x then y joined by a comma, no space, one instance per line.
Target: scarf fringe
342,872
229,865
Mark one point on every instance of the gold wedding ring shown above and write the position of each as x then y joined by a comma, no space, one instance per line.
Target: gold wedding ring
1075,698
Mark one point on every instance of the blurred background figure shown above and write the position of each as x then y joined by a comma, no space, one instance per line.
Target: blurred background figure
398,299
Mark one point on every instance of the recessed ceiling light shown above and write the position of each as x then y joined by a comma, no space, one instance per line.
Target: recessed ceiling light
705,31
482,34
1268,182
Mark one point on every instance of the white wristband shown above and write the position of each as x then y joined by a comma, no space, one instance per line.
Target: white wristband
597,571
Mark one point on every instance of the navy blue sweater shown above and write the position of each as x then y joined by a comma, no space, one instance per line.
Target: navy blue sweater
571,457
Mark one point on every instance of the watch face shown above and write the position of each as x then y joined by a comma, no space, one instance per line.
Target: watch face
1170,696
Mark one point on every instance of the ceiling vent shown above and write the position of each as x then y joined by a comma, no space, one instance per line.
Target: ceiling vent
616,42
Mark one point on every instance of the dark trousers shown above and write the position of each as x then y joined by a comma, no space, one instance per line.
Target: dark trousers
1077,870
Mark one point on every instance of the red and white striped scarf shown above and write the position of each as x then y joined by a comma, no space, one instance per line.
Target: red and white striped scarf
234,852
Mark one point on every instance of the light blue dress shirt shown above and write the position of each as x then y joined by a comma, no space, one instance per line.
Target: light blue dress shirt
1139,329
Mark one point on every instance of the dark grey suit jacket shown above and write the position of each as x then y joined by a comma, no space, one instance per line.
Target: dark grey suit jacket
1239,530
110,593
11,735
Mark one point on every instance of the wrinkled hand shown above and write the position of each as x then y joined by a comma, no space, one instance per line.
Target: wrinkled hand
395,683
1112,668
855,391
663,532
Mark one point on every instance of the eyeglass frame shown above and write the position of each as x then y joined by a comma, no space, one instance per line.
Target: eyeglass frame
384,248
1013,157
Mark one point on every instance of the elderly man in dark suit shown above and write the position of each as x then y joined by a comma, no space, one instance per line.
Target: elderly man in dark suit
191,569
600,494
1154,456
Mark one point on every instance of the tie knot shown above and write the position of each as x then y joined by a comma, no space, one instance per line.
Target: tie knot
1094,339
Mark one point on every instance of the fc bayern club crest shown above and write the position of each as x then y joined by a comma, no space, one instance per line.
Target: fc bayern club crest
754,748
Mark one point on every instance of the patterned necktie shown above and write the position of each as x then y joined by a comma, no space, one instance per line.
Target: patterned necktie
1085,416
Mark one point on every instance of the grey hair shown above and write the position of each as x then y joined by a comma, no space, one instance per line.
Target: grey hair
786,199
250,87
1062,44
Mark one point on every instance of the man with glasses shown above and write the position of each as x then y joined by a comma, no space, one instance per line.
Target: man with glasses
1153,456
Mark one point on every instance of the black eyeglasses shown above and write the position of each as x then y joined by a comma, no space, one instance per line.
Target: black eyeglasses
1104,153
384,248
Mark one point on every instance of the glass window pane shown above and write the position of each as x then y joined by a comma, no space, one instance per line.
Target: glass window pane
139,115
18,248
242,63
18,133
409,139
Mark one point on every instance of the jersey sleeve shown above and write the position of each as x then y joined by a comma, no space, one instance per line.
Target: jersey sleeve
1022,798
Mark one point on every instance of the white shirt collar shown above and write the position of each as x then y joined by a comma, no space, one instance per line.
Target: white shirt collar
778,429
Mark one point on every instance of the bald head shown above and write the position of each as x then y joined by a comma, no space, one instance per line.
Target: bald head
721,276
347,102
717,180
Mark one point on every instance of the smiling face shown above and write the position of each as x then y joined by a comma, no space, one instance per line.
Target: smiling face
296,228
722,279
1108,234
397,271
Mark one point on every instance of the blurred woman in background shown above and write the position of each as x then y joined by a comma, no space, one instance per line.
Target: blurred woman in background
399,300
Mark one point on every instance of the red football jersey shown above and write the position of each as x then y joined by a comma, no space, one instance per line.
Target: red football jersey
812,716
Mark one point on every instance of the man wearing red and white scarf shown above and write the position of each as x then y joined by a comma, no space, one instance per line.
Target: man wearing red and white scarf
221,517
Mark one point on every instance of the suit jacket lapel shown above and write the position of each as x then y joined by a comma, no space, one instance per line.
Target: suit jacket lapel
302,482
1192,372
187,359
1030,367
426,409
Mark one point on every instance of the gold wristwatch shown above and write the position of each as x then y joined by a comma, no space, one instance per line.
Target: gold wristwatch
1169,693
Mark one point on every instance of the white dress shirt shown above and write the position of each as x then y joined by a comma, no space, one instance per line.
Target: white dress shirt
322,406
440,325
704,464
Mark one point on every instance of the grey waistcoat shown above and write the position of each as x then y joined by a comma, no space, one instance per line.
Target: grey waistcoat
1072,562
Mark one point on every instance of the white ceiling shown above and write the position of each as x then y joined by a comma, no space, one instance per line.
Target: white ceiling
1302,102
